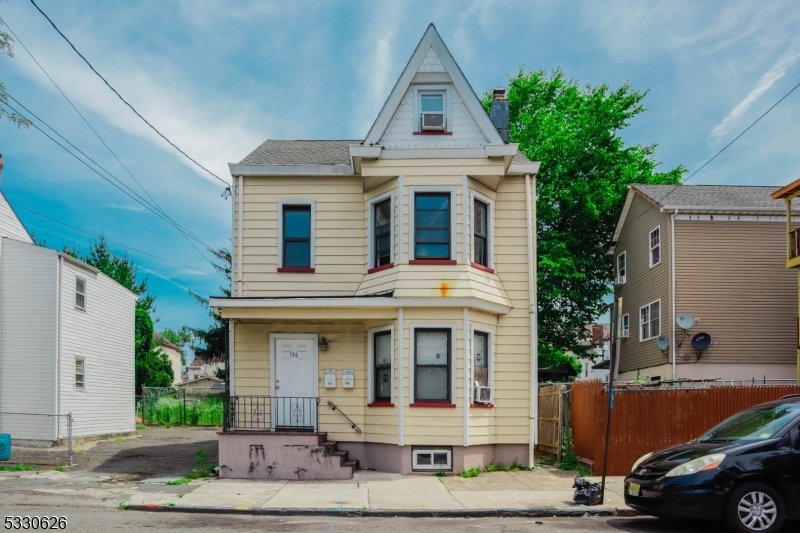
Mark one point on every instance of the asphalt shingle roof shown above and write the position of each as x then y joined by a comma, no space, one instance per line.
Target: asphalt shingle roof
279,152
519,157
719,196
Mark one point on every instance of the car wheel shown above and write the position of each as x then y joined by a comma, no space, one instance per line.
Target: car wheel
755,507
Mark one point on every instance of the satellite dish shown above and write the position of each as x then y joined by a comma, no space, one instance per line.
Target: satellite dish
662,341
701,342
685,321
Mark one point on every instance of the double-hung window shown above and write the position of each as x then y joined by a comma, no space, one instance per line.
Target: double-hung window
480,230
80,293
297,236
382,233
622,261
80,373
655,246
382,365
480,358
432,226
626,326
650,320
432,365
432,114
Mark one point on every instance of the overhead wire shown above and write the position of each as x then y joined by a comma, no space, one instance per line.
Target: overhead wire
227,185
18,206
134,196
730,143
155,203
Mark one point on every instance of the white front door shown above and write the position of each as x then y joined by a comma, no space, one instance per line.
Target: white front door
295,402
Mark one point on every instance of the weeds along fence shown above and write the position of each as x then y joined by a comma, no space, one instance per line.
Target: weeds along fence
177,406
37,439
645,419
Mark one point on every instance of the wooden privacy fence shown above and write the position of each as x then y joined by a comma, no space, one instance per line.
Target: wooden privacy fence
550,417
647,419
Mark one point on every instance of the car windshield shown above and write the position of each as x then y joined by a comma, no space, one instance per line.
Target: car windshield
757,423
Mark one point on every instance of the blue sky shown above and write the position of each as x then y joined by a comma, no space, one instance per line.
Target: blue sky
220,77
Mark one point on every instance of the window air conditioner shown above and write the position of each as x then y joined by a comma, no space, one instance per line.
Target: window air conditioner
433,121
625,333
483,394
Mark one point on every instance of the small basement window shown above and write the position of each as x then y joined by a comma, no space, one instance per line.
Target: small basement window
432,459
80,293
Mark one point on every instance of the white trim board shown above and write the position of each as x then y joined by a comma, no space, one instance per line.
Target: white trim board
360,303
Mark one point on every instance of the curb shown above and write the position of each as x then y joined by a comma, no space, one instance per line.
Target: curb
536,512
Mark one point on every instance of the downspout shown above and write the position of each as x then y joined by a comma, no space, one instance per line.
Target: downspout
59,285
241,231
401,379
467,380
532,307
672,289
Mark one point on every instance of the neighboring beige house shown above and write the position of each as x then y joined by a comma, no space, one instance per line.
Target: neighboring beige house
716,253
174,353
376,283
204,382
199,369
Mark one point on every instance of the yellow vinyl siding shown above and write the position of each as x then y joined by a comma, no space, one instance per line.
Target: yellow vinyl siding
731,275
644,284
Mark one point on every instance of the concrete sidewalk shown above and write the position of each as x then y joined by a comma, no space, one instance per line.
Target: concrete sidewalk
538,493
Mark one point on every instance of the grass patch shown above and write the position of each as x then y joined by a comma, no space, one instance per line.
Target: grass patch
139,425
170,504
120,440
202,469
18,468
472,472
441,473
169,412
123,505
61,469
500,467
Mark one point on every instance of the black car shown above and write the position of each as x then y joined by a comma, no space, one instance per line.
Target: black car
744,471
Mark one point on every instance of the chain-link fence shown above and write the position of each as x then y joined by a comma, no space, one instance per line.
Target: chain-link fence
178,406
29,438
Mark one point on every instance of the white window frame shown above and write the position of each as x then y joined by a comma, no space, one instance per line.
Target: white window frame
371,378
621,279
475,195
413,360
649,321
371,248
85,290
626,325
312,240
489,353
650,246
82,388
448,104
423,189
416,467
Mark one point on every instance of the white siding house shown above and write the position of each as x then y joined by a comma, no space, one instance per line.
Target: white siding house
66,339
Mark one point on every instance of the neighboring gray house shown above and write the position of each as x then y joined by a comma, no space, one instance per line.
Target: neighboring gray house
66,337
717,253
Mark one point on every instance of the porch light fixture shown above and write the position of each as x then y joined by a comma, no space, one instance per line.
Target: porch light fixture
323,344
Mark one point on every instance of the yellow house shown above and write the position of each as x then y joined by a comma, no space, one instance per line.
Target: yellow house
383,305
789,194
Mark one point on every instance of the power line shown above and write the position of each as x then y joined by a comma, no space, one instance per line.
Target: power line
121,98
17,206
133,196
730,143
2,21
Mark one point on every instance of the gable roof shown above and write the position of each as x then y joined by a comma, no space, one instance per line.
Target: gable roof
730,199
163,341
285,152
432,39
10,224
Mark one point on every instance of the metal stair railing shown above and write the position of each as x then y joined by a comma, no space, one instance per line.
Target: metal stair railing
352,424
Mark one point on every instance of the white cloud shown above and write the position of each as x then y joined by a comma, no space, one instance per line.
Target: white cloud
767,80
128,207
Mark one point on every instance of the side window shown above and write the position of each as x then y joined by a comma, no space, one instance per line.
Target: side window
80,293
626,326
80,373
432,365
650,321
480,353
432,226
655,246
382,233
622,260
297,236
382,379
480,230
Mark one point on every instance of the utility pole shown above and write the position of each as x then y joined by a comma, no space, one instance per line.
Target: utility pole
616,324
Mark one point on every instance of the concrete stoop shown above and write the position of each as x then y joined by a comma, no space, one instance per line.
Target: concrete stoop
282,455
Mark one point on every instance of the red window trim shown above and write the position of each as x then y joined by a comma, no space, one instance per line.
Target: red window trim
382,267
433,404
433,133
482,267
482,405
432,262
296,269
380,404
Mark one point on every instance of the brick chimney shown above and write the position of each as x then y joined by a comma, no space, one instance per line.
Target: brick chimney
498,113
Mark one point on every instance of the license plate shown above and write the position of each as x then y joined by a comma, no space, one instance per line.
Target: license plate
634,489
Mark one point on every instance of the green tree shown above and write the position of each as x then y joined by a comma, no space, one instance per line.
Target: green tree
153,368
180,338
586,170
7,48
210,344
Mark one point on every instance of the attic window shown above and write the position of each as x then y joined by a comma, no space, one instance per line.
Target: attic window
432,116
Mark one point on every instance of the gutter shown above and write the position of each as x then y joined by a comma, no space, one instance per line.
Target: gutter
532,308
